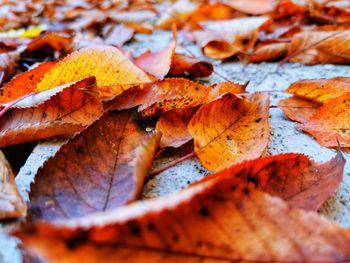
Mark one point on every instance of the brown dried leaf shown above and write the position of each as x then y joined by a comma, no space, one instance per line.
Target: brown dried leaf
102,168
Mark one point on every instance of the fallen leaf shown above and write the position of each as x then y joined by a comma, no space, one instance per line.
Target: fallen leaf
216,46
293,177
119,35
11,202
185,66
253,7
107,64
320,47
230,130
213,11
219,89
48,43
102,168
45,115
8,63
269,51
330,124
219,220
320,90
176,14
24,83
173,126
158,63
299,109
172,93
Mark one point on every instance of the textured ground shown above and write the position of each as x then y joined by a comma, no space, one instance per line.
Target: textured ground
284,136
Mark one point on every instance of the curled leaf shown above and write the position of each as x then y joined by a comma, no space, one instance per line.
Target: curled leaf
293,177
102,168
183,65
230,130
158,63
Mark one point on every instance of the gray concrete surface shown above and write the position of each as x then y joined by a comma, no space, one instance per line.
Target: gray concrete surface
284,136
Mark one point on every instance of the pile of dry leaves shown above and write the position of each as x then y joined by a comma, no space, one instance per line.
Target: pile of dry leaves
64,73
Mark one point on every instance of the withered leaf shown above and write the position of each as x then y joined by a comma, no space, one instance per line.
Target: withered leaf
45,115
11,202
231,129
102,168
218,220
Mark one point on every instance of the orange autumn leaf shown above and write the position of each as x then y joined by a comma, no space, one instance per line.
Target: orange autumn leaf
158,63
64,110
49,42
230,130
11,202
173,126
330,124
176,14
172,93
219,89
213,11
253,7
299,109
269,51
215,45
218,220
293,177
24,83
225,38
320,47
320,90
102,168
107,64
185,66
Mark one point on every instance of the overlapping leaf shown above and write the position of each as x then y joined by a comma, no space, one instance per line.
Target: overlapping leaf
102,168
107,64
230,130
62,111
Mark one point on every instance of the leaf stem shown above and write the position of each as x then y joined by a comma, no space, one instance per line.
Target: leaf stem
13,103
170,165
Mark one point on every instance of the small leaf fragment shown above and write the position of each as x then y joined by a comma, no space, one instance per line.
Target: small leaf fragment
11,202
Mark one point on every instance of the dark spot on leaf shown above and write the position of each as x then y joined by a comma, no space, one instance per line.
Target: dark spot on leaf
74,242
204,211
258,120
